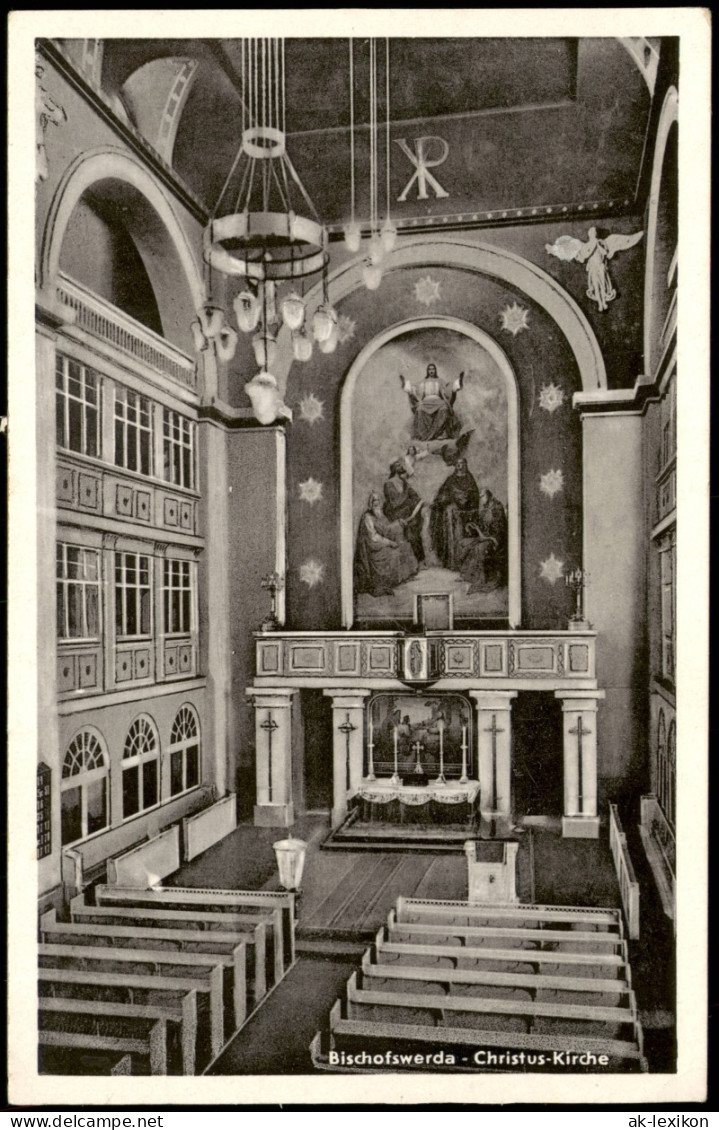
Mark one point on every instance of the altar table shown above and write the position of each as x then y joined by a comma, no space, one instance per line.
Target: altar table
433,803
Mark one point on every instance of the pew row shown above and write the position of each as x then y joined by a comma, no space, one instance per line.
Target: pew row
350,1035
156,970
591,941
143,1039
430,911
94,926
82,1061
201,900
70,992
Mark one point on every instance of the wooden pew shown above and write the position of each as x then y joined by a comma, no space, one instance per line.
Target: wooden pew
590,941
223,901
183,1002
403,953
181,970
347,1032
431,912
533,982
600,1017
141,936
142,1037
79,1061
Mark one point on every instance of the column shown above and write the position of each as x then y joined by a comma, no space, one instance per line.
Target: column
347,747
273,756
579,708
494,755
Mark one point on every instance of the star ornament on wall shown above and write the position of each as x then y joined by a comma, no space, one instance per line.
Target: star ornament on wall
427,291
551,483
551,569
310,491
345,329
312,573
514,319
312,409
551,397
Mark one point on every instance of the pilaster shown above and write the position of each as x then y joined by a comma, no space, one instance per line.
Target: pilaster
347,747
579,709
273,756
494,754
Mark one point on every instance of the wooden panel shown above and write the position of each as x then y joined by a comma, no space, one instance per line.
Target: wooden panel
170,511
88,491
170,659
347,658
494,659
268,658
143,505
459,658
65,488
66,673
123,501
379,659
141,663
578,658
307,658
88,665
123,666
187,516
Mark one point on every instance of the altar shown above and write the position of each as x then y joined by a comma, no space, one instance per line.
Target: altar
436,802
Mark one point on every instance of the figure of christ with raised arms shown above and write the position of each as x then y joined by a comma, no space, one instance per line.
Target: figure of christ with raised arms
432,406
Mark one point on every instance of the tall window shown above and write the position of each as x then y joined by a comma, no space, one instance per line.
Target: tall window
140,761
133,598
133,431
83,788
178,449
184,751
78,593
669,805
77,407
177,596
667,568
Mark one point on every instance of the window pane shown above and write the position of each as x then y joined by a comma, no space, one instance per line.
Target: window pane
130,791
176,772
145,613
91,425
149,784
60,611
71,819
192,756
96,806
75,438
119,444
60,420
145,452
76,627
92,611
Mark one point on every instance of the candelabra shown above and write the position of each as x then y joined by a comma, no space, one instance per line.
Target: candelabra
441,780
273,583
577,582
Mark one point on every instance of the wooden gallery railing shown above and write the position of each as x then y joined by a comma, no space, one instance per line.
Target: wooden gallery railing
628,884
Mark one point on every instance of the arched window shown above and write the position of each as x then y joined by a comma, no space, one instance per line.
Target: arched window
140,767
83,789
184,751
660,755
669,805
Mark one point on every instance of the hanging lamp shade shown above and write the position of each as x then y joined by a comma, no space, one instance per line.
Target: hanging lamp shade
323,322
211,319
301,345
247,310
376,249
371,275
265,349
198,337
266,401
353,236
293,310
330,343
388,235
226,343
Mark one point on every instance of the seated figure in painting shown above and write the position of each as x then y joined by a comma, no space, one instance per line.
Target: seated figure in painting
433,406
483,560
456,505
403,504
383,556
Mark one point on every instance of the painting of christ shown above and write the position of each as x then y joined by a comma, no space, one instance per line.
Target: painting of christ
430,447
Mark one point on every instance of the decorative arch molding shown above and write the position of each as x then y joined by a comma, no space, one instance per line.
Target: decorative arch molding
346,469
669,117
109,163
495,262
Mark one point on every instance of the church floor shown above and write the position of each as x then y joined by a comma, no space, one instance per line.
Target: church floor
346,897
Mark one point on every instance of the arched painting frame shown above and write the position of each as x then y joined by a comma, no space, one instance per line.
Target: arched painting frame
511,613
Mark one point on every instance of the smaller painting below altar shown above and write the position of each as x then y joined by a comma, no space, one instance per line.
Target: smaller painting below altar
431,734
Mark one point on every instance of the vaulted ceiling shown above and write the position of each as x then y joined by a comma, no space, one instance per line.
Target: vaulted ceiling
525,124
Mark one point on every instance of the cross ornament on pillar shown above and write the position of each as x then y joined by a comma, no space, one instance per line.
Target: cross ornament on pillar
269,725
581,732
494,729
347,728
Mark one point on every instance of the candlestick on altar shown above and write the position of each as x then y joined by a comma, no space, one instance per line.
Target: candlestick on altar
395,776
441,778
464,778
370,751
418,766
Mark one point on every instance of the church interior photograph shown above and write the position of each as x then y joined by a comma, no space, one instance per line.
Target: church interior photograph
355,406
